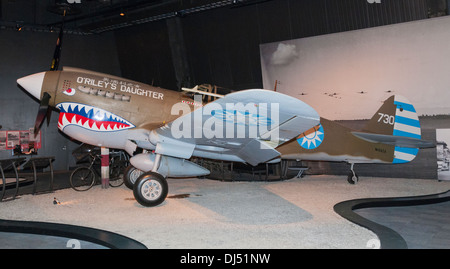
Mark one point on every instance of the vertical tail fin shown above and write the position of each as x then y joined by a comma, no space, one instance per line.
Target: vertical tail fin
397,117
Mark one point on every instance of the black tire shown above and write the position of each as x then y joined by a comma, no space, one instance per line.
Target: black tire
130,175
352,178
82,179
150,189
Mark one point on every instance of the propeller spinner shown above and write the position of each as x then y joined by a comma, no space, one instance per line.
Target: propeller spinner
33,85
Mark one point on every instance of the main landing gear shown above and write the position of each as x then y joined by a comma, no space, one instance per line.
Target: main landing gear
149,188
130,175
352,176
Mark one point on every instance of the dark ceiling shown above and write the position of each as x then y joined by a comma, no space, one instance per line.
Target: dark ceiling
97,16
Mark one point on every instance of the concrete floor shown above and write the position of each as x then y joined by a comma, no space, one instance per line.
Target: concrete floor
202,213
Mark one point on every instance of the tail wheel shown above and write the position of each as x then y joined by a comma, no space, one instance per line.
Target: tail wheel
352,178
130,175
150,189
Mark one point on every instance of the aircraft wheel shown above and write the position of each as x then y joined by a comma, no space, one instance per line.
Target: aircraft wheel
150,189
130,175
352,178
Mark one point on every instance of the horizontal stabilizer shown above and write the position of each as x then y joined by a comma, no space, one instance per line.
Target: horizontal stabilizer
399,141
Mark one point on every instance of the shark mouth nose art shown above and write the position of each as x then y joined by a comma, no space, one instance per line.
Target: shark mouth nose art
91,118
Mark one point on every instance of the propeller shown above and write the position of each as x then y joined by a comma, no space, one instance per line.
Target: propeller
45,111
57,53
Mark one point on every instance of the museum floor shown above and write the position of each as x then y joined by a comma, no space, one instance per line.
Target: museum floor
202,213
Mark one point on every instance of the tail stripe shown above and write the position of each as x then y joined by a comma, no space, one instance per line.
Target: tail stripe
404,155
411,151
406,134
407,121
406,114
406,130
405,106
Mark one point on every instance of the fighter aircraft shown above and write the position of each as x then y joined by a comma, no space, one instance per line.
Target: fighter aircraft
161,129
393,135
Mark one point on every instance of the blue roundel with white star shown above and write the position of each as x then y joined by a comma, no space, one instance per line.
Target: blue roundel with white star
312,139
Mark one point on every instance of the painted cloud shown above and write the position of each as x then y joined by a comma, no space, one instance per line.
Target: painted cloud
284,54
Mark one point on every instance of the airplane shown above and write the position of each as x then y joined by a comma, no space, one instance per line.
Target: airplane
162,129
391,136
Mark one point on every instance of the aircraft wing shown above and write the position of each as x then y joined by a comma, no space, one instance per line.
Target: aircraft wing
243,126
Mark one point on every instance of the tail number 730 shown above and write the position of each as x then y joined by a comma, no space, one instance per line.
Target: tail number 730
386,118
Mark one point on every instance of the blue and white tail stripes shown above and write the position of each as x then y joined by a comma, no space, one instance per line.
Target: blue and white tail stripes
406,124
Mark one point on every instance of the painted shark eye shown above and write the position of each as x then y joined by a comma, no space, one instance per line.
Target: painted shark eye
69,92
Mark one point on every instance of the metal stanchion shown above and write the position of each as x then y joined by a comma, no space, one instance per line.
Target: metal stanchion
33,164
36,162
4,182
5,165
13,162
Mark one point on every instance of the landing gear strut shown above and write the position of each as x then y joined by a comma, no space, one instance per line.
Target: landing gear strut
352,176
151,188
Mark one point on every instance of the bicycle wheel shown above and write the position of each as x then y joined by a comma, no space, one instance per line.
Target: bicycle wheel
82,179
115,172
115,177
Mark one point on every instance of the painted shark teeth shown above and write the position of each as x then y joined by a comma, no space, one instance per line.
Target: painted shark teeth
89,117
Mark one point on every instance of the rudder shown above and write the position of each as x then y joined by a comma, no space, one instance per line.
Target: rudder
406,124
406,120
397,117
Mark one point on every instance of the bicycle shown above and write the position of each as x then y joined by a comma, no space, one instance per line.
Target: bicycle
84,177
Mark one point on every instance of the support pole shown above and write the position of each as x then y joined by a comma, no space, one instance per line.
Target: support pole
105,167
4,183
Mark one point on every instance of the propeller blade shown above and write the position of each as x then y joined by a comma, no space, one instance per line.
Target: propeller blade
42,112
49,115
57,53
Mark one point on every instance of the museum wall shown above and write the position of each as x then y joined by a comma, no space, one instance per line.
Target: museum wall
26,52
145,55
222,45
354,72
